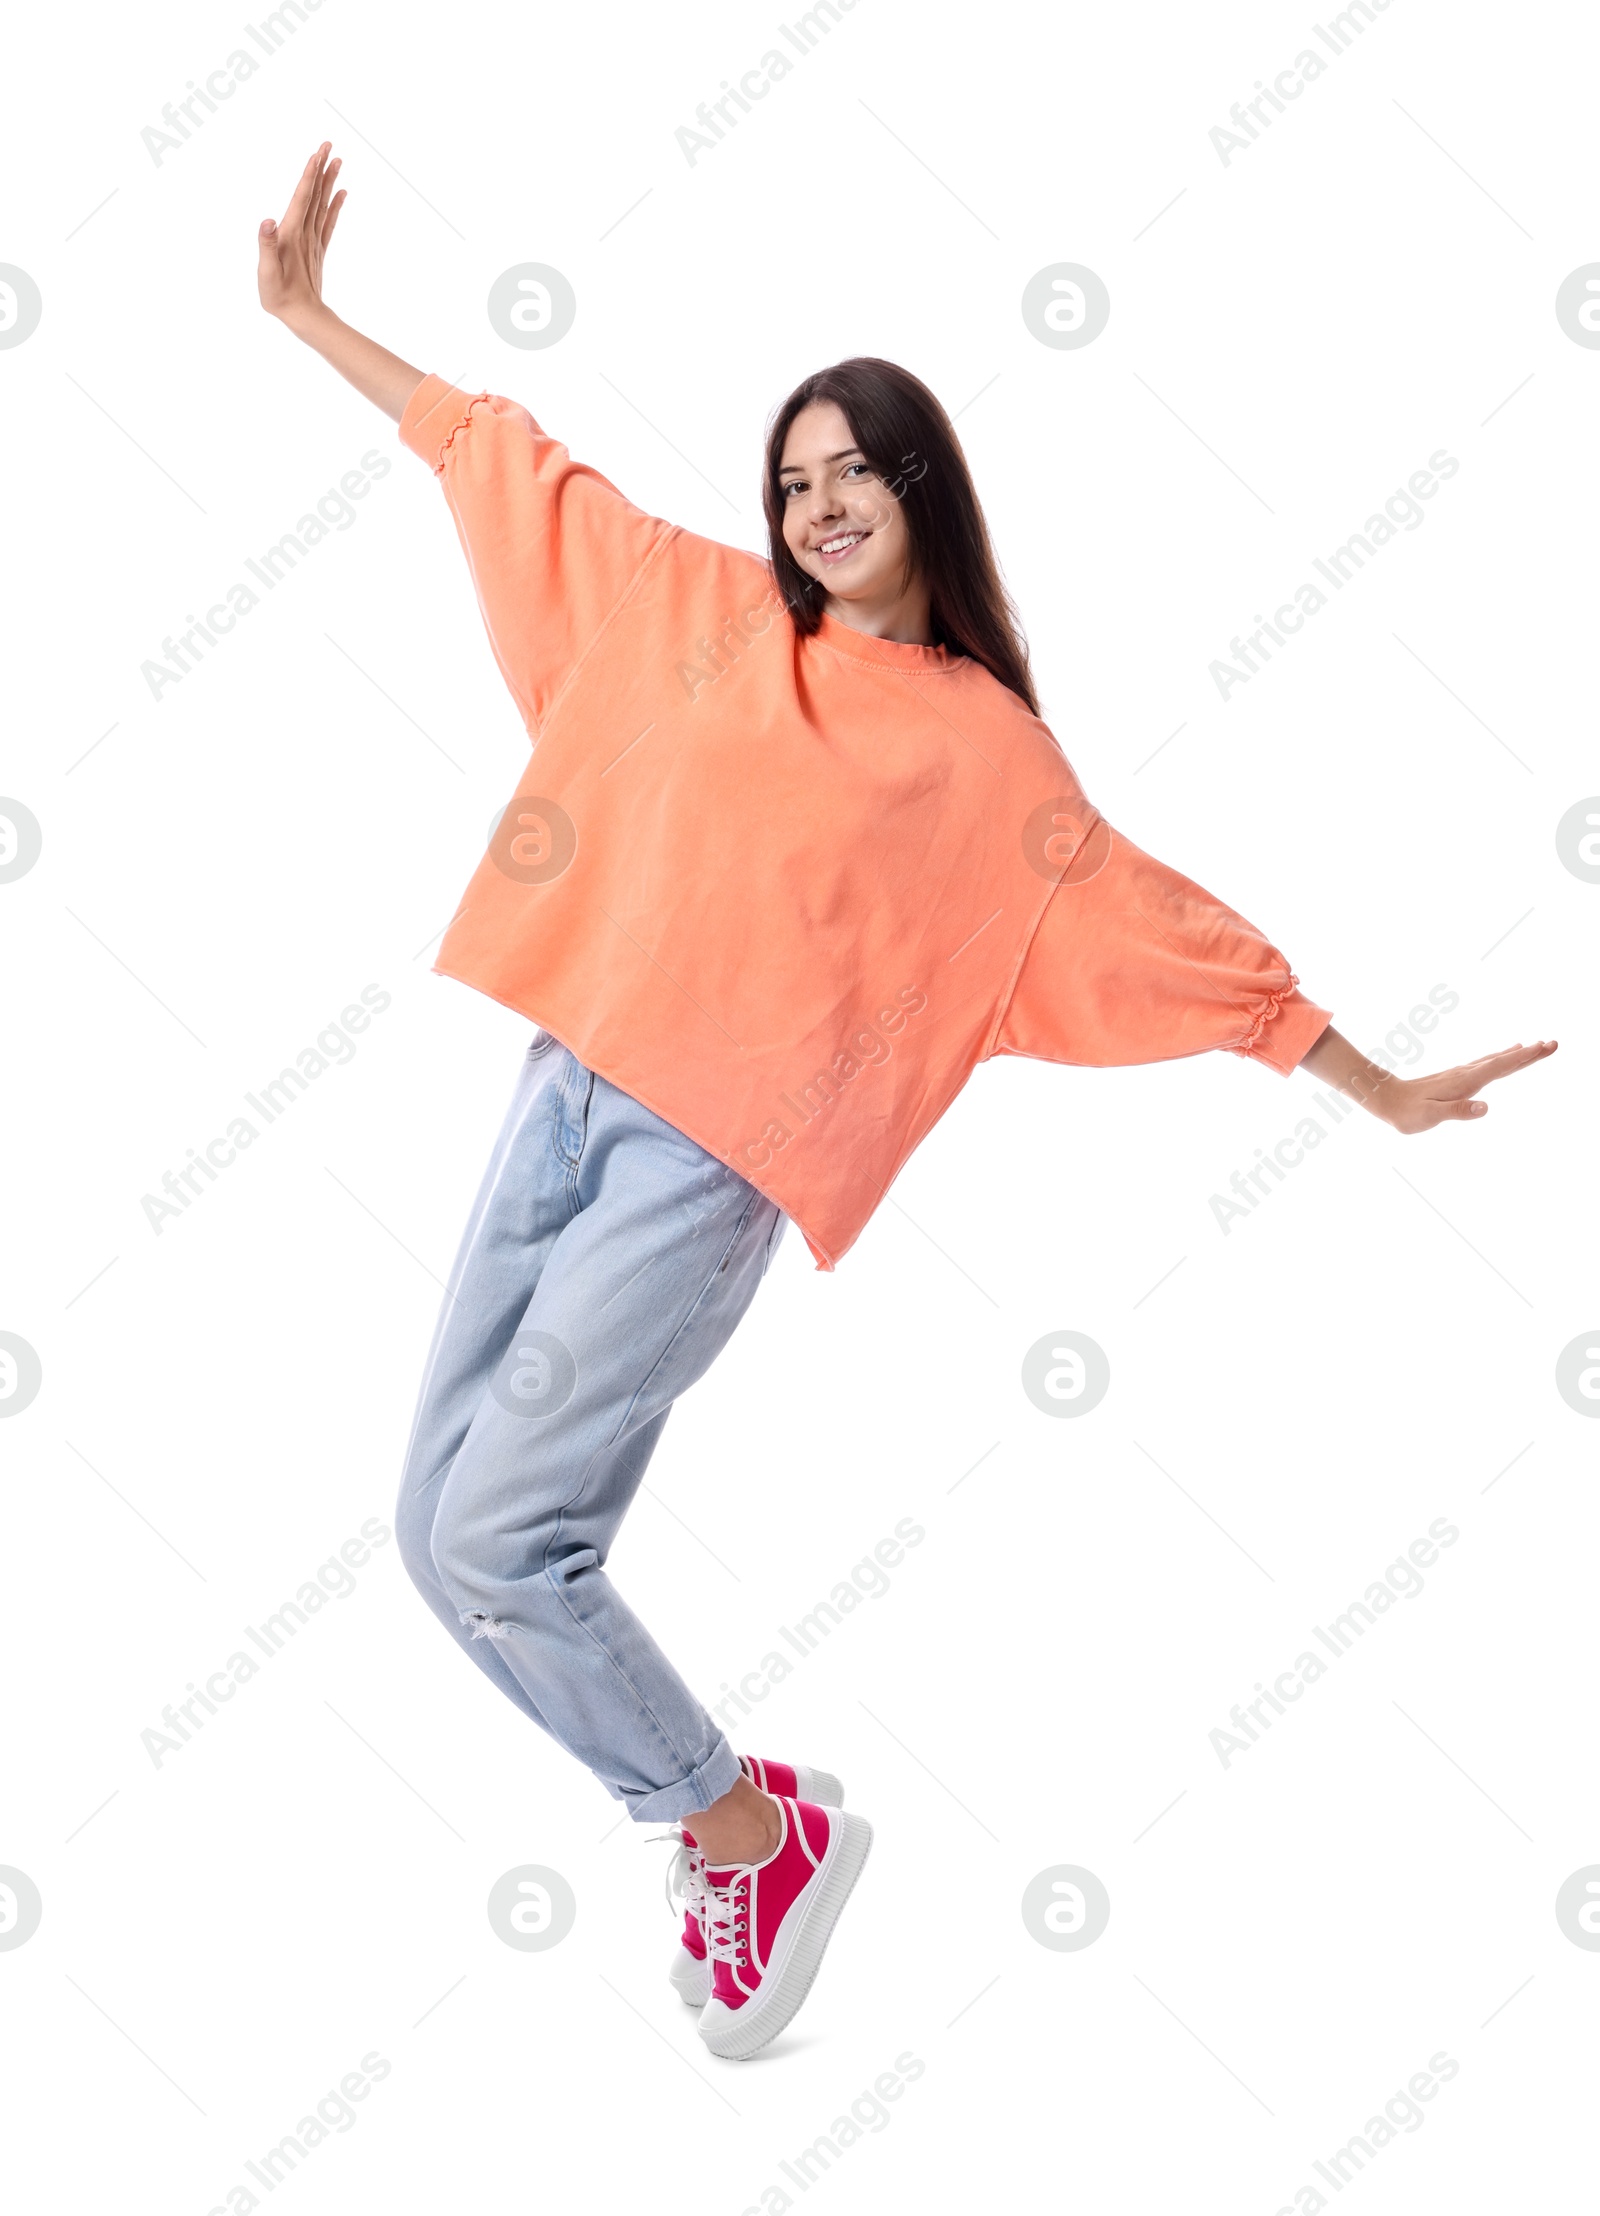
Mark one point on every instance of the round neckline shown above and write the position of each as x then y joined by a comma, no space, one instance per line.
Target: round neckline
898,653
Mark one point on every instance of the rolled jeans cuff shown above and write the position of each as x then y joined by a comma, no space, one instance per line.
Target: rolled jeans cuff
669,1804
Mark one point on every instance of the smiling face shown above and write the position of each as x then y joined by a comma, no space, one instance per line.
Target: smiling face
841,523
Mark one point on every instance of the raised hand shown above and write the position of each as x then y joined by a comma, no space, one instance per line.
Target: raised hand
289,274
289,269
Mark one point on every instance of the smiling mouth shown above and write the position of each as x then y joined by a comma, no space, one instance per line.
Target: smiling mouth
843,543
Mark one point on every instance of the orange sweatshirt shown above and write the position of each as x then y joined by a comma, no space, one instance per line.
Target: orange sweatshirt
788,892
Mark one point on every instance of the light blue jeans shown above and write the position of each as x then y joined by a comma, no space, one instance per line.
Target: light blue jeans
606,1262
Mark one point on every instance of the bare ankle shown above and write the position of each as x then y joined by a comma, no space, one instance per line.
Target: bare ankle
744,1826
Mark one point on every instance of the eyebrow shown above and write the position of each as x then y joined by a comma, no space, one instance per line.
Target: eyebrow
793,469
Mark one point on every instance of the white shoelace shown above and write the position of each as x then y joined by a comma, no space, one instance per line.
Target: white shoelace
726,1920
686,1876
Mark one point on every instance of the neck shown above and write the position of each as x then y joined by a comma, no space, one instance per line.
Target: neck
906,618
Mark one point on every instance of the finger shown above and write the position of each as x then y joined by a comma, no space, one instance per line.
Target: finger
1516,1058
1471,1077
319,192
333,217
1487,1061
300,198
1450,1113
1522,1046
319,206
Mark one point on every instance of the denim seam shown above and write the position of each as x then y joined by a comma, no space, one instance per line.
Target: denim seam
609,1445
565,1099
640,1702
697,1304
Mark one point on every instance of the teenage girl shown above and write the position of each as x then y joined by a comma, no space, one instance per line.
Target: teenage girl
792,854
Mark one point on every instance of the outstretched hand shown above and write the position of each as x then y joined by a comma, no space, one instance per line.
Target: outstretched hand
1418,1103
289,270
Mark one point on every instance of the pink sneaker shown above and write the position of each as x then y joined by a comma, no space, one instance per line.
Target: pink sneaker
768,1924
691,1964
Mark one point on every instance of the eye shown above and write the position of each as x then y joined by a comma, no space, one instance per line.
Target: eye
795,484
851,467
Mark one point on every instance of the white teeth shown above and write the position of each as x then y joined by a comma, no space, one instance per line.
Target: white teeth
832,546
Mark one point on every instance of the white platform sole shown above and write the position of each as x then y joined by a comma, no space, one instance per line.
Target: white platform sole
735,2034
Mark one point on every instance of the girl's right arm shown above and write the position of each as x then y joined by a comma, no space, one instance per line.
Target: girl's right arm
554,548
289,277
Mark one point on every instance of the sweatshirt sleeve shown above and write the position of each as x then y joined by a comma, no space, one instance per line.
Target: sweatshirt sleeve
1134,963
553,546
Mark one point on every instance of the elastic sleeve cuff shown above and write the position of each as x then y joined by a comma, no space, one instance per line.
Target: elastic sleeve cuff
433,414
1291,1030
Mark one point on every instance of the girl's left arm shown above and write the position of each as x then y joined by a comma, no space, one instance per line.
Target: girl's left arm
1134,962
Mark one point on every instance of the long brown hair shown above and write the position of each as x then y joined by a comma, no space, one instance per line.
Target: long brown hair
910,443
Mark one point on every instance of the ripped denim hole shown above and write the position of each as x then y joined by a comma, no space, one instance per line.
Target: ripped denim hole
484,1625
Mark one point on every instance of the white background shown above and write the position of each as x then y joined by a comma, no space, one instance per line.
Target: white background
1372,1884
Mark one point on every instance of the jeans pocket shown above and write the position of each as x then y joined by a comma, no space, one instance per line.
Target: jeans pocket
543,1041
780,1225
